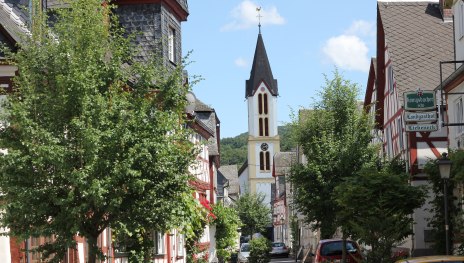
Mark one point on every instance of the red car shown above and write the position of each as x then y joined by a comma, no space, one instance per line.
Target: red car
330,250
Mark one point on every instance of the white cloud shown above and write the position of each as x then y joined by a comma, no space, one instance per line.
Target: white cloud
347,52
241,63
361,28
350,50
245,15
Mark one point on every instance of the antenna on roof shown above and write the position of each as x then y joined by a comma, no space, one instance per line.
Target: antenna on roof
258,9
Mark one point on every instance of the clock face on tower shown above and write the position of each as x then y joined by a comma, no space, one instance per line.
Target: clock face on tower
264,146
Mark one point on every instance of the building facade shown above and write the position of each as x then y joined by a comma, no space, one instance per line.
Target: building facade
412,38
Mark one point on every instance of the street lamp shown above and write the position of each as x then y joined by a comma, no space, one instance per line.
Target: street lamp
444,164
282,227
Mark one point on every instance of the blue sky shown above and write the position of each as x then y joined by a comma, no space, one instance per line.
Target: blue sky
304,40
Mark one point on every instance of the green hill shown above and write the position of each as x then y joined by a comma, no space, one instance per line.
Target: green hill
234,149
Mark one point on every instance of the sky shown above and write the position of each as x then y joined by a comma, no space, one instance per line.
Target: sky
304,40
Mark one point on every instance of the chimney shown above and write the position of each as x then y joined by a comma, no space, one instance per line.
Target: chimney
446,11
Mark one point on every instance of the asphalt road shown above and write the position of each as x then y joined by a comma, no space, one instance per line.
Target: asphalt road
282,260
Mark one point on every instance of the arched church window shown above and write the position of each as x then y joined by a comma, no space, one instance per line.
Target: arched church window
261,128
266,126
261,161
268,161
264,161
265,103
260,103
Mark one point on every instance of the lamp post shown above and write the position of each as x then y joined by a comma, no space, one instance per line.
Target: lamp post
282,227
444,164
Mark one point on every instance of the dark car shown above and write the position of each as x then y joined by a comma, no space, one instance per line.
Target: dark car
330,250
279,249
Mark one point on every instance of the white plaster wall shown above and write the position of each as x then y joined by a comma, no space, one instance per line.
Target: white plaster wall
265,188
212,244
5,254
421,216
243,180
425,154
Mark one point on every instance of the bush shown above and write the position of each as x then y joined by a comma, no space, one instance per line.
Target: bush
259,250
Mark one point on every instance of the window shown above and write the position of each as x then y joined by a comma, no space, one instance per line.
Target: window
265,103
266,127
268,161
171,44
459,116
264,161
180,245
391,81
261,161
400,133
263,121
389,142
159,243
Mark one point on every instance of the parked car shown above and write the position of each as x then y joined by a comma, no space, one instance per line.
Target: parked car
331,250
428,259
279,249
243,253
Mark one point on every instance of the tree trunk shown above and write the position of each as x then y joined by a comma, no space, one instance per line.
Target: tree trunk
93,249
344,250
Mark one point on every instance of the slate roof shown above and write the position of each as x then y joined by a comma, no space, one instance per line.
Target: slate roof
230,172
261,71
283,162
206,117
417,40
13,18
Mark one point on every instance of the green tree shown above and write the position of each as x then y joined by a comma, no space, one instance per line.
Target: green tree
383,221
86,150
253,213
335,138
227,222
260,249
437,221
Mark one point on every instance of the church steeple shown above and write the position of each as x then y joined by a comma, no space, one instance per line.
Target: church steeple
261,71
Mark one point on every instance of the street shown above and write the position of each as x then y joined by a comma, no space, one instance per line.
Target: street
283,260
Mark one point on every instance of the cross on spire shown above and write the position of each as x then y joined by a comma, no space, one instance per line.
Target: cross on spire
258,9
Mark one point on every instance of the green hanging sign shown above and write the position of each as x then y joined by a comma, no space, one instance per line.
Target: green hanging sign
419,100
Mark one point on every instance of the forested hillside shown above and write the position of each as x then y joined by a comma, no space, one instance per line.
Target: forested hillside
234,149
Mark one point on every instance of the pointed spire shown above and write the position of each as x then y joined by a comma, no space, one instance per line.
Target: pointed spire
261,71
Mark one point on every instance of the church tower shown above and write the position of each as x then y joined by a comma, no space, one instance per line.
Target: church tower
263,140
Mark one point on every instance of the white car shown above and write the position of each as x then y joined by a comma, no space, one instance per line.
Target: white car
243,253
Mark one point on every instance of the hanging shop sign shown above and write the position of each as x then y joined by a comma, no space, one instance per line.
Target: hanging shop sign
422,127
417,116
419,100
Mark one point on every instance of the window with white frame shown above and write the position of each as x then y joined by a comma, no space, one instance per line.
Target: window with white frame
400,133
159,243
391,81
180,245
459,116
389,145
171,44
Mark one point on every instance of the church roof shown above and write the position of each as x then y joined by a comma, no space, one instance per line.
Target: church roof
261,71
